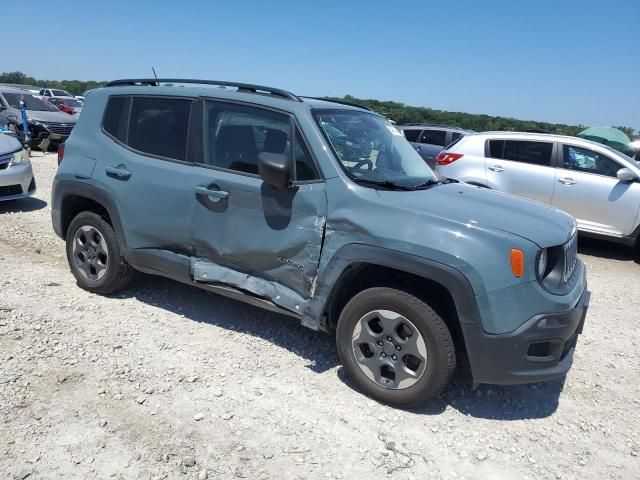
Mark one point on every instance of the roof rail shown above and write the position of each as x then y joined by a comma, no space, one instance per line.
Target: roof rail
341,102
240,86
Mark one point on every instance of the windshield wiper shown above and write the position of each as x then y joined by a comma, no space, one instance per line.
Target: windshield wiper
430,183
383,183
427,184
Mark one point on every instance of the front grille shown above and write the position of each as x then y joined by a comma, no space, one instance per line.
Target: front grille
60,128
10,190
570,258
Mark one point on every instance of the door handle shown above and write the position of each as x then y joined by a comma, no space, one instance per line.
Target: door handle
497,168
418,148
567,181
212,195
118,172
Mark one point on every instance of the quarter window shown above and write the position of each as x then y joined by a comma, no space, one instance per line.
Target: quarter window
114,121
584,160
411,135
537,153
236,134
159,126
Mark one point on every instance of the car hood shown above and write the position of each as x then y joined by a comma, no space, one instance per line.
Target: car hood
477,206
58,117
8,144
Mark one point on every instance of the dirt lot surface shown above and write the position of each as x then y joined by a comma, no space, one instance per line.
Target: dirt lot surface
166,381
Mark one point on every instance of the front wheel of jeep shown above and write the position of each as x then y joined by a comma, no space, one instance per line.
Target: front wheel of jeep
394,347
94,255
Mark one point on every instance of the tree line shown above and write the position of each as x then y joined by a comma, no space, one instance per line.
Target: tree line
398,112
74,87
402,114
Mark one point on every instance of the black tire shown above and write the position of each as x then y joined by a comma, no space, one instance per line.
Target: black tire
117,272
440,351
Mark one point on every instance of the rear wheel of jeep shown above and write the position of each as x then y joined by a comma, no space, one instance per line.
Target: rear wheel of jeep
394,347
94,255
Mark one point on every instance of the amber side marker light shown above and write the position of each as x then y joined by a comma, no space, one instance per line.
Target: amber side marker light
517,262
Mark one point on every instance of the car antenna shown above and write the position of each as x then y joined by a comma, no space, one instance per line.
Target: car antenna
154,73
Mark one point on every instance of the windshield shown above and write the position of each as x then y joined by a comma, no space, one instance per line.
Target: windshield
371,150
30,102
61,93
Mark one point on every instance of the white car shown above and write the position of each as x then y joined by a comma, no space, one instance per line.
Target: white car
596,184
54,92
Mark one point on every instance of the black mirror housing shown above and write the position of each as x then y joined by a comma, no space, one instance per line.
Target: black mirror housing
275,170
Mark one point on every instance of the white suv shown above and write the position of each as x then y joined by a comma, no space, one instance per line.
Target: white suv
596,184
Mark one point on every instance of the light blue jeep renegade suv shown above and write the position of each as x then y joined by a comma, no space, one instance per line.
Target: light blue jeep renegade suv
322,211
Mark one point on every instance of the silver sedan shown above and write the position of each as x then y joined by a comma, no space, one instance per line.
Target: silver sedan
16,175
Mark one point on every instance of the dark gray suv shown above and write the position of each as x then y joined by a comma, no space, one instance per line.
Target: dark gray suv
429,140
323,212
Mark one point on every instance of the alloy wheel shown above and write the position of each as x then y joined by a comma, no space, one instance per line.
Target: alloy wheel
90,252
389,349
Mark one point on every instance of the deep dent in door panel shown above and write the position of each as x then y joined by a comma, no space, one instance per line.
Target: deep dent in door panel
290,260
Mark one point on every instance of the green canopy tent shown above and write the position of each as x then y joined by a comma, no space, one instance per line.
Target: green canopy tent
609,136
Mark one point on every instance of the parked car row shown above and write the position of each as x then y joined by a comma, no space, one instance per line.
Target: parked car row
47,124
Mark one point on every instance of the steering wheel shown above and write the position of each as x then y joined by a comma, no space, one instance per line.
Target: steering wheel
362,163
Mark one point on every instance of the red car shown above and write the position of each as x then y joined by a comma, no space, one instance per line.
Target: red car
68,105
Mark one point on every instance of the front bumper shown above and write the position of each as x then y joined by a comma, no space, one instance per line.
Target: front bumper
17,182
541,349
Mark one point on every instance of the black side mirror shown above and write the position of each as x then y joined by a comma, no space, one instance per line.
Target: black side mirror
275,169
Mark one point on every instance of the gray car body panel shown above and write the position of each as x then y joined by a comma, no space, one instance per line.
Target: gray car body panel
287,250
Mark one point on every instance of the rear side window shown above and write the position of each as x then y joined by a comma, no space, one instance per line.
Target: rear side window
114,121
537,153
411,135
159,126
434,137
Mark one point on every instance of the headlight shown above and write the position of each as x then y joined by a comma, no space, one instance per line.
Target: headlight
37,123
21,157
542,263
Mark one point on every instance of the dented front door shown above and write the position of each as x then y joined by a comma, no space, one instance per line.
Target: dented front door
246,234
255,230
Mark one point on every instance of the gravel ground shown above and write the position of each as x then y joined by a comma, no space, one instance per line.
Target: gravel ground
167,381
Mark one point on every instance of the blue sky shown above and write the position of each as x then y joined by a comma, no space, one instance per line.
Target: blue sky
571,61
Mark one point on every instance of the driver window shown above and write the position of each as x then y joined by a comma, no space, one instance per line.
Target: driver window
236,134
584,160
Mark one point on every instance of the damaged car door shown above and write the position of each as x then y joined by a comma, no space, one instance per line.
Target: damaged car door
247,234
